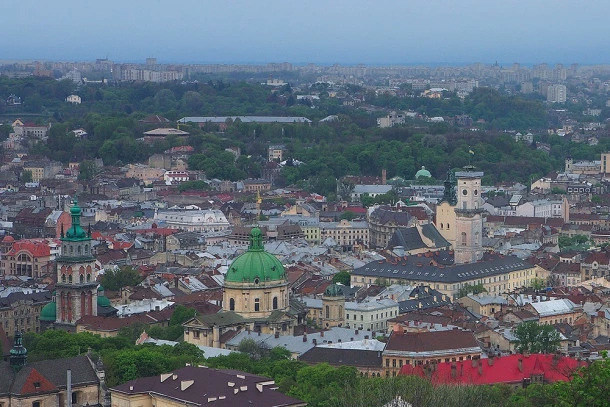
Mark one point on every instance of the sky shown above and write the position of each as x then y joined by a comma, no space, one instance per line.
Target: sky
308,31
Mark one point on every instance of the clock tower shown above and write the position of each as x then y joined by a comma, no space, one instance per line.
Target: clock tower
76,288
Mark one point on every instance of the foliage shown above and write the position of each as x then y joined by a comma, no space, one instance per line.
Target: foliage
87,170
193,186
471,289
115,279
348,215
342,277
573,243
535,338
26,176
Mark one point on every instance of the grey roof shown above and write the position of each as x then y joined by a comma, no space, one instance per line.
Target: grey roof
54,370
440,268
410,239
342,357
301,344
484,299
246,119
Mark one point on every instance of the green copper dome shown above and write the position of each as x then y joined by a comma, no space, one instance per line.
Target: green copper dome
255,265
49,312
76,232
103,301
423,173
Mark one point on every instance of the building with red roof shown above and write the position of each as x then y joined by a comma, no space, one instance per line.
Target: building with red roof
516,370
26,257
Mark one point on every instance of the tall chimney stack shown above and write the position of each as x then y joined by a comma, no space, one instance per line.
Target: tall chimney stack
69,388
384,176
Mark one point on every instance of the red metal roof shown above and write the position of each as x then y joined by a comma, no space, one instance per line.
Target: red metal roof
506,369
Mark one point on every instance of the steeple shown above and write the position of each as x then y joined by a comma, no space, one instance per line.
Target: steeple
19,354
449,195
256,240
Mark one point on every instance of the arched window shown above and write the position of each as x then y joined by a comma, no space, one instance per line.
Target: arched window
441,225
78,249
275,303
327,312
82,278
63,278
88,277
257,304
341,311
70,278
86,249
447,226
71,250
232,304
463,238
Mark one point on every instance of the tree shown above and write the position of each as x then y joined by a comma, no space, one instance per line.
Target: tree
26,176
468,289
115,279
348,215
87,170
342,277
535,338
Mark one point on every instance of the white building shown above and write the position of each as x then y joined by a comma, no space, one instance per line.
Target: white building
194,220
175,177
366,315
74,99
556,94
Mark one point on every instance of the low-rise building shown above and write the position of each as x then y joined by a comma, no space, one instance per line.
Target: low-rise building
194,220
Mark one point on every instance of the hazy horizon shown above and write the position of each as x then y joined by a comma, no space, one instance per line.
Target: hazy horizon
346,32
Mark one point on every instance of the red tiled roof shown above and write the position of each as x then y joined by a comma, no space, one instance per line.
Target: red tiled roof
36,383
499,370
37,248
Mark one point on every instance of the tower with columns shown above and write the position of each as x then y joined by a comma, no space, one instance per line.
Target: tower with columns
468,245
76,288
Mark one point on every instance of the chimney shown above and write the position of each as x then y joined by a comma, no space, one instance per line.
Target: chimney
366,337
520,365
276,334
321,334
304,338
314,341
69,388
356,332
384,176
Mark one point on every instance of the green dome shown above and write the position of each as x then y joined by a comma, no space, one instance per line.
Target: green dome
423,173
76,232
255,265
49,312
334,290
103,301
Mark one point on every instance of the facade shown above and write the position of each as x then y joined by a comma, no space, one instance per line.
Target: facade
194,220
199,386
76,288
45,383
482,304
497,273
24,257
20,311
345,233
556,94
383,223
257,185
74,99
276,153
468,247
419,348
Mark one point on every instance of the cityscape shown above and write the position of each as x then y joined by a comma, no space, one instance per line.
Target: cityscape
303,234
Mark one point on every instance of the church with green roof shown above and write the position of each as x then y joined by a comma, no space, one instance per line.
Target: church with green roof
255,296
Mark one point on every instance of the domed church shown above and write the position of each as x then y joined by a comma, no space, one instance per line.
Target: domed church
255,296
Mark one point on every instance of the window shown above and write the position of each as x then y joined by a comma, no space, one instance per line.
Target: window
74,397
82,278
232,304
275,303
257,304
463,238
327,310
464,192
36,404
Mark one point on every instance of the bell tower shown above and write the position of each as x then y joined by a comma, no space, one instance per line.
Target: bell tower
76,288
468,246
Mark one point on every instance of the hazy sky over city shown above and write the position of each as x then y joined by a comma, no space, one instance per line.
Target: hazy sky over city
319,31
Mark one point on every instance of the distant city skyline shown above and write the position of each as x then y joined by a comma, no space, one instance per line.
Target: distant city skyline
345,32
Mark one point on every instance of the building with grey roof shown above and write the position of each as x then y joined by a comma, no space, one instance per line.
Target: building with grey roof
244,119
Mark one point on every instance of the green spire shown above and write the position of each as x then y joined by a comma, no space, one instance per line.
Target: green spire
19,354
256,240
76,232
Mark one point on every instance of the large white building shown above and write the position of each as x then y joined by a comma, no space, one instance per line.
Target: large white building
556,94
366,315
194,220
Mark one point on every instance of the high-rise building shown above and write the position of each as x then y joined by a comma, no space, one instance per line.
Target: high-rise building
556,94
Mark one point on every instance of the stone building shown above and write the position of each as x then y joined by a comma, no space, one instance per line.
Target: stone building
256,297
468,220
20,311
50,383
